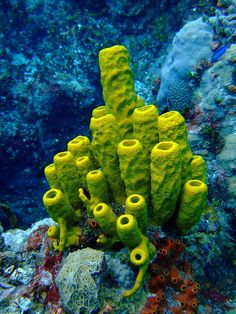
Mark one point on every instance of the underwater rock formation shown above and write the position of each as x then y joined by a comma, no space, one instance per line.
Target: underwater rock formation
216,99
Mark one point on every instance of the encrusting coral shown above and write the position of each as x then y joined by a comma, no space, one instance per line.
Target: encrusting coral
166,273
137,159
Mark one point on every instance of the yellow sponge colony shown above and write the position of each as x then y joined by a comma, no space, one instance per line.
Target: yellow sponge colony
135,158
118,86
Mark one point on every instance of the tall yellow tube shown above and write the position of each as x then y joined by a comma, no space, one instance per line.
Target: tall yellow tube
172,127
105,141
165,180
118,86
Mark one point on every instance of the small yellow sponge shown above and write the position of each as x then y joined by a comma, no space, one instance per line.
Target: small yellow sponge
51,176
79,146
68,177
59,209
141,250
172,127
106,218
57,205
96,185
192,204
99,111
134,168
145,128
83,165
199,169
136,205
105,141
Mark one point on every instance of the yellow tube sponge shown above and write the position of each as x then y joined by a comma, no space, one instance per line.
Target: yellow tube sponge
134,168
66,237
70,238
68,176
139,102
199,169
84,166
51,176
53,232
141,251
165,180
99,111
79,146
140,257
105,141
128,231
118,86
136,205
57,205
62,212
145,128
106,219
172,127
192,204
97,188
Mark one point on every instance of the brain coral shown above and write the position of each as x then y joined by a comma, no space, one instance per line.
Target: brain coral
78,281
179,94
191,45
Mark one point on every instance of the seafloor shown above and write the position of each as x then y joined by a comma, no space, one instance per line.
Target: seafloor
183,57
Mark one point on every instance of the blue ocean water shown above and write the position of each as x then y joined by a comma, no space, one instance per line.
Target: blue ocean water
50,84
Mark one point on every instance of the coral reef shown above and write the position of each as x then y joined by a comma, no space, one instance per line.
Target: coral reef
28,270
28,275
125,8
